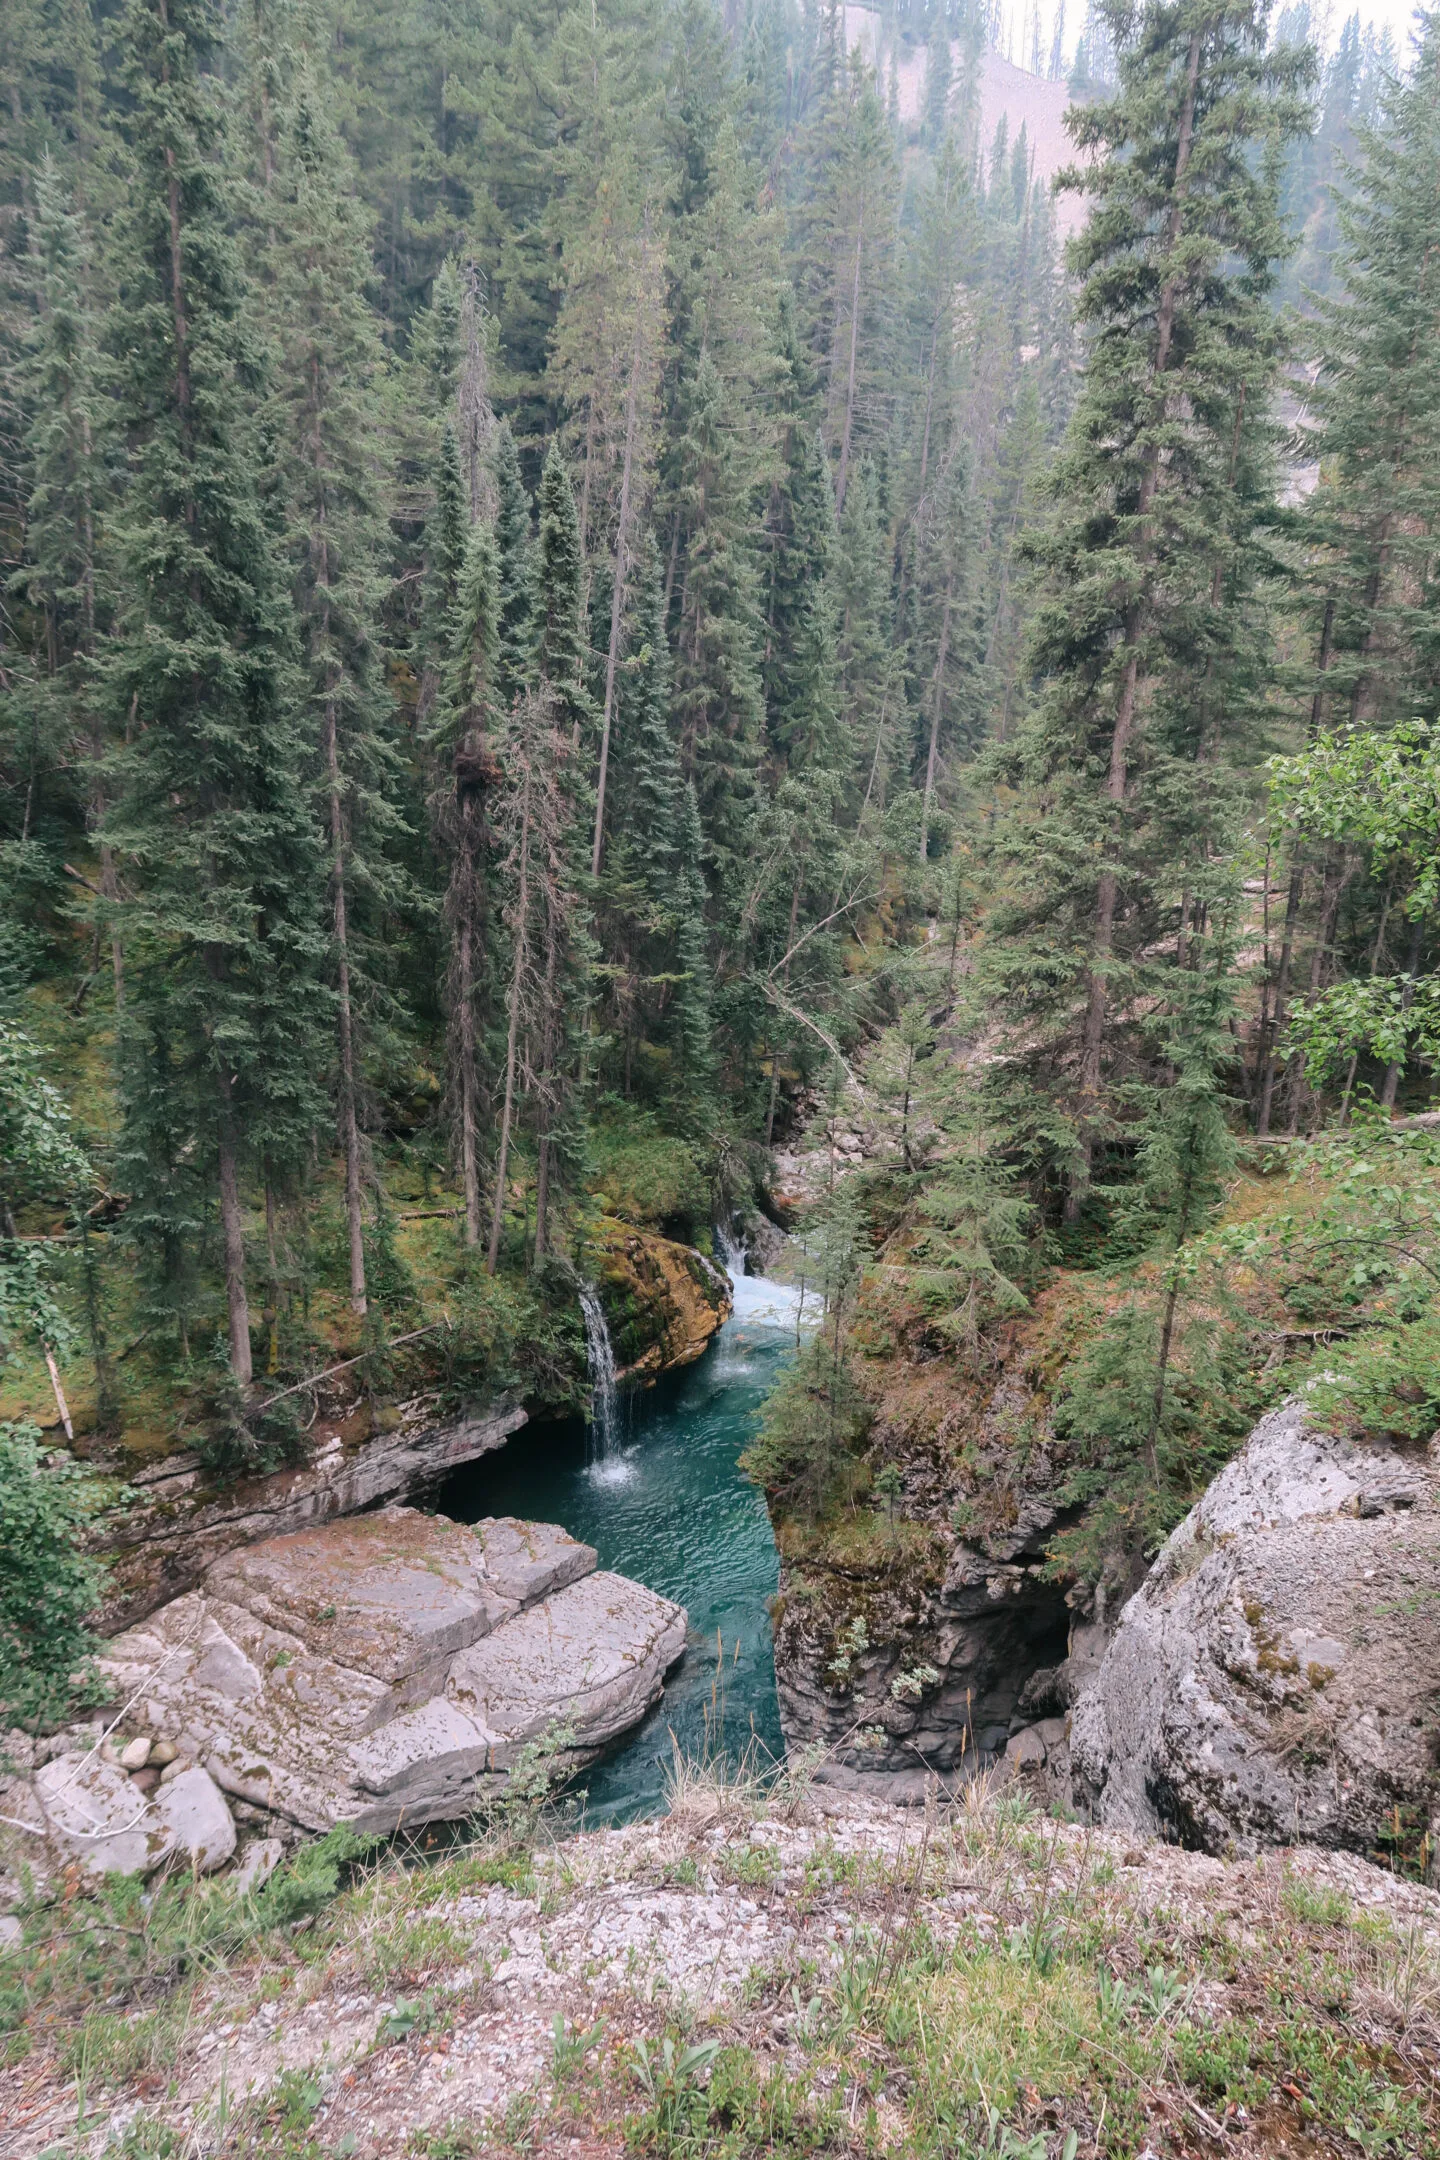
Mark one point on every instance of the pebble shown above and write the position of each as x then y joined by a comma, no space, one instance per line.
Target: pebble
135,1753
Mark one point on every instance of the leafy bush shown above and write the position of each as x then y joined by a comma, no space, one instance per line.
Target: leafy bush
1385,1383
49,1584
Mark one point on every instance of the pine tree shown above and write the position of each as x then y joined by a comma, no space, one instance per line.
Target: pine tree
718,695
463,811
798,671
1157,493
565,987
1373,524
694,1067
326,424
515,655
561,653
66,452
214,818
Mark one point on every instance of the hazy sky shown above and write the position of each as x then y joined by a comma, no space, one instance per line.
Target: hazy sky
1019,16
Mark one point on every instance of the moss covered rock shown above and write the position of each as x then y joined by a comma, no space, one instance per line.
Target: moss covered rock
663,1300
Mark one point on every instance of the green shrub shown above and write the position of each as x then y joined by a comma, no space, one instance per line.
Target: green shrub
49,1584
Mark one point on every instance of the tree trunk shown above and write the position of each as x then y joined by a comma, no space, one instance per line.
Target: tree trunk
1412,961
935,707
349,1121
1282,989
1092,1043
617,588
775,1055
843,478
548,1034
233,1239
469,1088
522,916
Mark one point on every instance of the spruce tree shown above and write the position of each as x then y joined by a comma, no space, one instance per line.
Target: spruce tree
515,654
463,810
561,652
1371,526
718,630
214,823
565,985
1156,494
690,1020
326,425
56,704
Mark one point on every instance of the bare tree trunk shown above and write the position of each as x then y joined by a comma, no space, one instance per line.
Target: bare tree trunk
522,917
548,1032
1397,1065
349,1121
617,588
775,1056
843,478
935,707
1282,990
233,1240
469,1086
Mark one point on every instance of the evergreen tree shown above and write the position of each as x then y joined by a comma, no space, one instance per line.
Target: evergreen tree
326,424
515,655
1157,493
56,708
718,694
214,819
467,718
798,670
561,654
694,1069
1372,527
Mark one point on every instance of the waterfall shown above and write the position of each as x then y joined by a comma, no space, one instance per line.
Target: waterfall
756,1300
604,1419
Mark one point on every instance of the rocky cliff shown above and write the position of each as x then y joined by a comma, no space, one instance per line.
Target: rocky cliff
1277,1676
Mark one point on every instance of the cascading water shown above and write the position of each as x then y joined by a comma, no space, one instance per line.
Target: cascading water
604,1419
756,1301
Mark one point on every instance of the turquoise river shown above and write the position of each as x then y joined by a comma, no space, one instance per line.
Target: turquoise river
668,1504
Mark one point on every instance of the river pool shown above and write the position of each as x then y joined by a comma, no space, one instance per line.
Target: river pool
668,1505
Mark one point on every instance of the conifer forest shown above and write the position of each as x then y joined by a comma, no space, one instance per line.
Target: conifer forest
592,591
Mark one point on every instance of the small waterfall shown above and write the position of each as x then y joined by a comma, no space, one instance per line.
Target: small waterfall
604,1419
756,1300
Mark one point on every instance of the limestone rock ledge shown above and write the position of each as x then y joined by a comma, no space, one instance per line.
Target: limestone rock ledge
392,1668
1276,1680
179,1521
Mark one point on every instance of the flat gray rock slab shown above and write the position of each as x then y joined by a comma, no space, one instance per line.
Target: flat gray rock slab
389,1669
589,1661
527,1561
386,1594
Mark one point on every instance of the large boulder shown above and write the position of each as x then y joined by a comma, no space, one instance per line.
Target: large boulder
1276,1680
391,1668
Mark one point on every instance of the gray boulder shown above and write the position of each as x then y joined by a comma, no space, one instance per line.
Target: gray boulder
1276,1679
96,1817
191,1808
